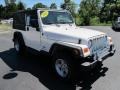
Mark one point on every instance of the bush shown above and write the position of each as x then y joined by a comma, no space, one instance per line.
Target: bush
94,21
78,21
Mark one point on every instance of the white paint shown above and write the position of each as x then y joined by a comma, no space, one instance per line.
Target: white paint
63,34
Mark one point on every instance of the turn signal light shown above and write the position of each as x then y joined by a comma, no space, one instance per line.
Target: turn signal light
85,50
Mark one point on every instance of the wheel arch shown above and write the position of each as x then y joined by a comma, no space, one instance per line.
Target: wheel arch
62,48
18,35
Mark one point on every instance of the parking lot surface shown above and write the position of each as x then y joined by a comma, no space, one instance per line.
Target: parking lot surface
33,72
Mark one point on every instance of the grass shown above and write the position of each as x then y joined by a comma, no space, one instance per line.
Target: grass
5,27
102,24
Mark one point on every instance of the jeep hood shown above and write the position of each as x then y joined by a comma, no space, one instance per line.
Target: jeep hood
69,33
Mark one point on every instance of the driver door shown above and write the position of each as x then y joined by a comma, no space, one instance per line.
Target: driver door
33,34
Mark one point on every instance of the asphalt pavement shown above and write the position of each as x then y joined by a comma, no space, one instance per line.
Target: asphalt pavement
33,72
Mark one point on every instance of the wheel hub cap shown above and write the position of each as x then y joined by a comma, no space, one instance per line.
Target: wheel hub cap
61,67
17,46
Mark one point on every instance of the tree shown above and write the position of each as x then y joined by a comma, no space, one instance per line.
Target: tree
39,5
1,11
20,6
9,10
66,4
70,6
89,9
110,10
53,6
28,9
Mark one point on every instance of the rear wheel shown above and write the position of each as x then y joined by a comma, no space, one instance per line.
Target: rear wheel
19,46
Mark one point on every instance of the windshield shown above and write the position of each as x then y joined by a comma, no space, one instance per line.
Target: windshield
54,17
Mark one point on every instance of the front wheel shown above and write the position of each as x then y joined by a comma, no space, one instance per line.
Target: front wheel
64,66
112,53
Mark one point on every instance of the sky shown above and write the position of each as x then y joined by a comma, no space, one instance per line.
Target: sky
30,3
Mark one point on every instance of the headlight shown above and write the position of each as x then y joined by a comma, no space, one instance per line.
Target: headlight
90,43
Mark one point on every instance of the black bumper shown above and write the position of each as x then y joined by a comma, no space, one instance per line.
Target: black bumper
89,63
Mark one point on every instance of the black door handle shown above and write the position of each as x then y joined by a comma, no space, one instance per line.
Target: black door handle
27,28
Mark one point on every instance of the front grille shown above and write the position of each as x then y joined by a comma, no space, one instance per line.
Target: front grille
98,43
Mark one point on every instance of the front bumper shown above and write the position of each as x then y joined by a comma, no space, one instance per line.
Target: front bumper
97,58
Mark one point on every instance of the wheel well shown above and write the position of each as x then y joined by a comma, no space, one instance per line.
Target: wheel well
60,48
18,35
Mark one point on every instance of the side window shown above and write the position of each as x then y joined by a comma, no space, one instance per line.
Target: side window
19,21
33,20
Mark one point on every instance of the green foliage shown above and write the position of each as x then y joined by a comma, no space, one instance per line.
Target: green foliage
78,21
9,10
1,11
39,5
91,12
28,9
65,4
20,6
88,9
94,21
70,6
53,6
110,10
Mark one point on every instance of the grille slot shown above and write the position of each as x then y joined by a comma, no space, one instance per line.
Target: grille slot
98,43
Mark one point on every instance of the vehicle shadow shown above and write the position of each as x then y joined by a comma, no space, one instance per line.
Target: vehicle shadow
39,66
116,30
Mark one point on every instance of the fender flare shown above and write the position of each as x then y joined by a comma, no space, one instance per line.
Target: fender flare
58,47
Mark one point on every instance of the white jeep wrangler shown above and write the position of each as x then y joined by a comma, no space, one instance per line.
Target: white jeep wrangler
54,31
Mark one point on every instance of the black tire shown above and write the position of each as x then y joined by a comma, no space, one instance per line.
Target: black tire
111,54
113,28
71,64
19,46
